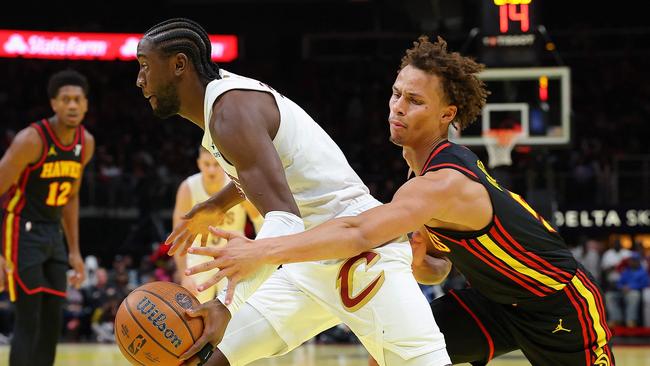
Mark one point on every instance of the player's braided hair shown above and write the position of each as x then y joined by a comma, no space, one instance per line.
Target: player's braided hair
457,73
186,36
64,78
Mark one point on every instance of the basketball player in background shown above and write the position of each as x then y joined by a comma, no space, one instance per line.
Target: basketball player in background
41,174
196,189
527,290
290,169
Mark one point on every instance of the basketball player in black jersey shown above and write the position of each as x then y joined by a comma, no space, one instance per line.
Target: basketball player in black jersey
41,175
527,291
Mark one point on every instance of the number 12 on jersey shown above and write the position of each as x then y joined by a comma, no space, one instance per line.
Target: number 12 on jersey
58,193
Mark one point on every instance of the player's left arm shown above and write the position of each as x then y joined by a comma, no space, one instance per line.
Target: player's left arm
416,203
70,215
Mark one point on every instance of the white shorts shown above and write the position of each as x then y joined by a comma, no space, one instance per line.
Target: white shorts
375,294
381,303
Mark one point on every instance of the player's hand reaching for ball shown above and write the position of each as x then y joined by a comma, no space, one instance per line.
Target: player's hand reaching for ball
429,266
418,246
194,224
237,260
215,320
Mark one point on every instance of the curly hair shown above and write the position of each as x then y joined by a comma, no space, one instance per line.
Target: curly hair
458,75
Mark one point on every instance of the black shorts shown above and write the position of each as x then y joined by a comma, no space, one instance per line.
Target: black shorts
39,255
567,328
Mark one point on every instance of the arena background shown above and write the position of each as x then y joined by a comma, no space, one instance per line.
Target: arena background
338,60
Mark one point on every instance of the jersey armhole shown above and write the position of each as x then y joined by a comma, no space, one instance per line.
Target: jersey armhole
40,161
468,173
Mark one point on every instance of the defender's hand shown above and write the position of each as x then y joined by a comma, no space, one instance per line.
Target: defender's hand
419,247
77,264
237,260
215,320
194,223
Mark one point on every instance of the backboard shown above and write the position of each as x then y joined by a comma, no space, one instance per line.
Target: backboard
537,100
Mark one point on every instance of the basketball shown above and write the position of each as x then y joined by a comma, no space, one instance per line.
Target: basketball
151,327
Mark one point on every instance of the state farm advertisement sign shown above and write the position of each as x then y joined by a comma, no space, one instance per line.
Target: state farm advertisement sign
92,46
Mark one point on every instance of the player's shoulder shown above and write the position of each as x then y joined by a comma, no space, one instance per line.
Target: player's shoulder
88,137
27,145
28,137
442,179
184,187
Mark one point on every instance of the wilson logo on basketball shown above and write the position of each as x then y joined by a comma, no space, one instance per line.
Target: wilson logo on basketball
183,300
157,319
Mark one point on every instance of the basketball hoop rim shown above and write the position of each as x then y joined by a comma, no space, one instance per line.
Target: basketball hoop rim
504,137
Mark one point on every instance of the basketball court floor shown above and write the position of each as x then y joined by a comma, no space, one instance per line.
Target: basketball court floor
307,355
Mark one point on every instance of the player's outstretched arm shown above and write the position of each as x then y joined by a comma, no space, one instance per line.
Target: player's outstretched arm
414,204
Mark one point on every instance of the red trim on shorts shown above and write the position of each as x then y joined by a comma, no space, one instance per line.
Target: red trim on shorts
38,289
58,143
577,307
599,301
16,272
479,323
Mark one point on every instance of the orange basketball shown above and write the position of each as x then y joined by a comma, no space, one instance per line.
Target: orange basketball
151,327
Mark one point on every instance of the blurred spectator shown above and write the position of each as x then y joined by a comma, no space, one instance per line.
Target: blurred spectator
588,254
611,259
624,301
74,315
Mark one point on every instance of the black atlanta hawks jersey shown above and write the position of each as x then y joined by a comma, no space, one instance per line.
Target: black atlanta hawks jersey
518,256
45,186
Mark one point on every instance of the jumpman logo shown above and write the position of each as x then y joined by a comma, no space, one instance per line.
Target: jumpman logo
560,327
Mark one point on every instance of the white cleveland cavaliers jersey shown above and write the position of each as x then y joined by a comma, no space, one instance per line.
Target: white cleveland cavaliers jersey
235,218
319,176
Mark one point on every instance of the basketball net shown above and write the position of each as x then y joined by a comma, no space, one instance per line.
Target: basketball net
499,143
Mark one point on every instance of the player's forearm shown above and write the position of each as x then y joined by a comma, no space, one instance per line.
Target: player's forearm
70,221
336,239
432,271
226,198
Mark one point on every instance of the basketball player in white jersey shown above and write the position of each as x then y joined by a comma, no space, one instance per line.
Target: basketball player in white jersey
198,188
297,177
